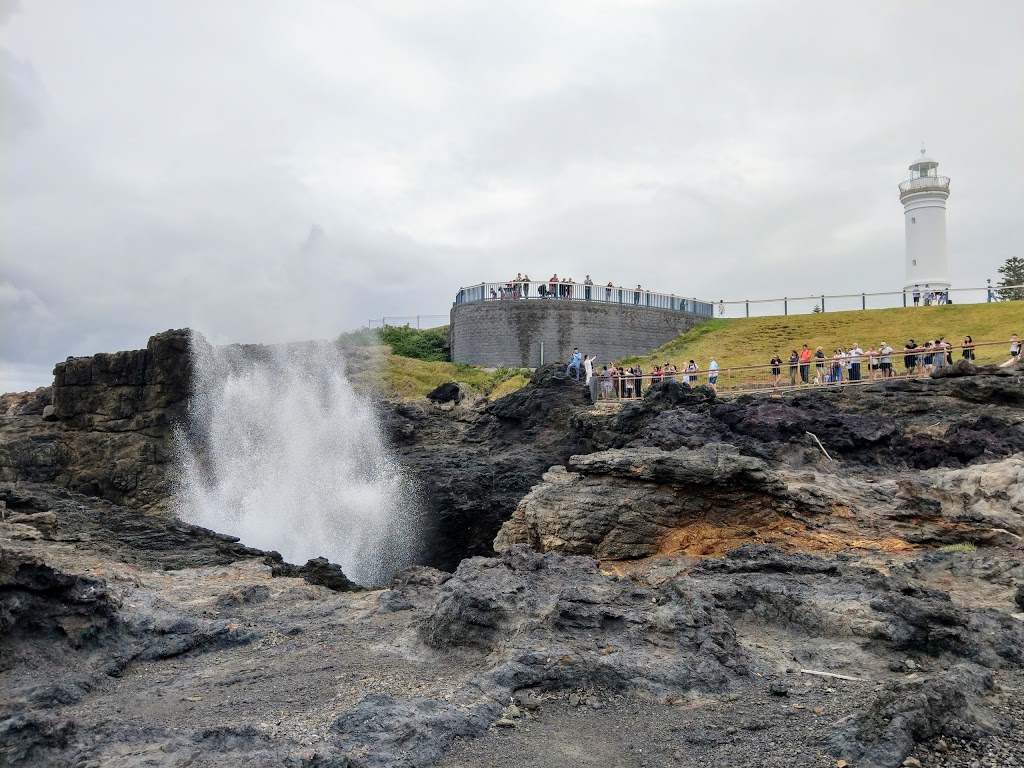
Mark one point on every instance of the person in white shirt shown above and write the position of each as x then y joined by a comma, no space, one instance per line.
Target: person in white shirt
713,374
588,368
855,359
885,351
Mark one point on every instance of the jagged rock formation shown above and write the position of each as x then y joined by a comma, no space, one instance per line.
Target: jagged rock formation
701,478
106,425
840,633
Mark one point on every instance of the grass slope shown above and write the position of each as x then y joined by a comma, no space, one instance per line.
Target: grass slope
752,341
404,378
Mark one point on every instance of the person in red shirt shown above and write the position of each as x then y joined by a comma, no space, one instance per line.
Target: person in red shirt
805,364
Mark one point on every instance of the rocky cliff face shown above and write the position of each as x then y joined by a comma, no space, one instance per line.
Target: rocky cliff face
682,581
106,425
892,466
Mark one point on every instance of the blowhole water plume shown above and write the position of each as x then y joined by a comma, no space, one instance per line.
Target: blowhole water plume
282,453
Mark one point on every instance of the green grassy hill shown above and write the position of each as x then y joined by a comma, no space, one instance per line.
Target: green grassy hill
402,378
753,341
747,341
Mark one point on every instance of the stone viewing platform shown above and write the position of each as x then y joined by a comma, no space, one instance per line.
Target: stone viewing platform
529,323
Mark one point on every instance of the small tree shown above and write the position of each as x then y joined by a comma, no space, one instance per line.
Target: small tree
1013,274
816,310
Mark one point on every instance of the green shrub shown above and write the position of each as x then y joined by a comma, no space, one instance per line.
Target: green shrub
430,345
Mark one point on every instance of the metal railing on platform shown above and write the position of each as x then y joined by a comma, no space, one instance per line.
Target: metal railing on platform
787,375
519,290
513,290
846,302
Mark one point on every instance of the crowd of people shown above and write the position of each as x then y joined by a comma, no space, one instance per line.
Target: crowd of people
928,296
623,382
852,363
556,287
805,368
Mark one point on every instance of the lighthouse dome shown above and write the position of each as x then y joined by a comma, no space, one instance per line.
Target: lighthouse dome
923,163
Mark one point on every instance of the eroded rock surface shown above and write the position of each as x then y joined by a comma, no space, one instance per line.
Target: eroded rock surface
757,602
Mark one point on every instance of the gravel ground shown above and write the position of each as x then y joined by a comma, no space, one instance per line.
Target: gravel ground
595,728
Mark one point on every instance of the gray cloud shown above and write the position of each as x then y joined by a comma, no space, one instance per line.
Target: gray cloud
266,171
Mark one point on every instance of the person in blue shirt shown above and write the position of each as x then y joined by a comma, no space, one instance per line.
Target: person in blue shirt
577,358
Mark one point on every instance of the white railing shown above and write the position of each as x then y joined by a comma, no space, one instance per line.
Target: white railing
924,184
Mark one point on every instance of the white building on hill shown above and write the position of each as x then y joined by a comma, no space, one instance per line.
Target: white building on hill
924,197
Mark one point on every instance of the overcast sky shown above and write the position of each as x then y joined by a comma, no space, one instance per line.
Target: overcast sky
276,170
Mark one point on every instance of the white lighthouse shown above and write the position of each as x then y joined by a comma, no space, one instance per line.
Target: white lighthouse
924,197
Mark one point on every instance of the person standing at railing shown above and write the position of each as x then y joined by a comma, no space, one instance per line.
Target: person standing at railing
885,352
836,376
939,353
608,292
526,286
721,307
605,380
794,360
713,373
553,285
819,366
627,383
587,288
805,364
639,381
692,370
855,360
968,353
916,295
636,294
1015,347
909,357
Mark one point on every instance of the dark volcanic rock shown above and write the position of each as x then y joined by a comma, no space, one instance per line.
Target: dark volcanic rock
965,442
382,731
109,431
321,571
913,711
758,558
72,626
473,466
789,420
26,403
622,503
156,540
860,602
446,393
127,391
590,628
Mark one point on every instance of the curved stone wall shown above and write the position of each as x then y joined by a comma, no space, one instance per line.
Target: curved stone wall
497,333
